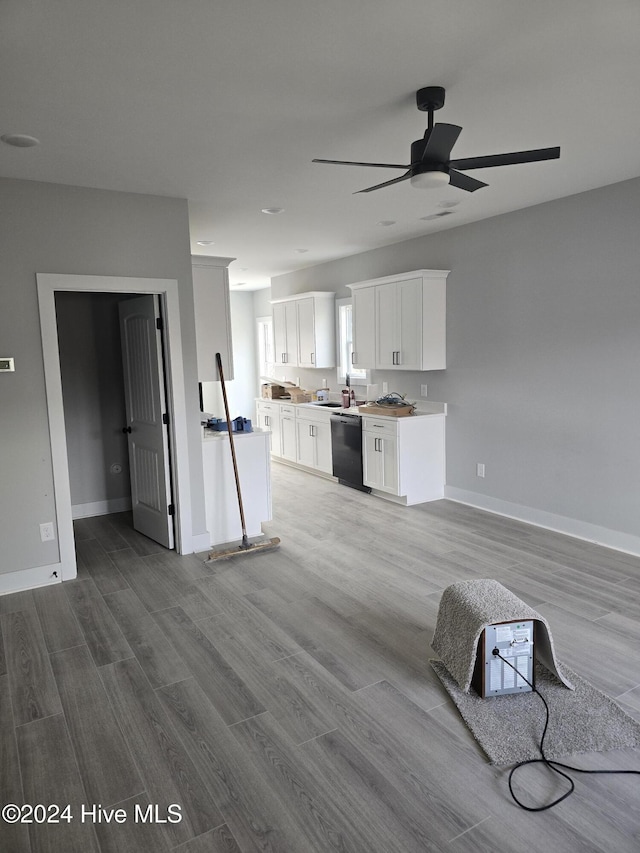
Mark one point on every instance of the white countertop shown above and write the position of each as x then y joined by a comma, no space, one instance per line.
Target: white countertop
215,435
424,409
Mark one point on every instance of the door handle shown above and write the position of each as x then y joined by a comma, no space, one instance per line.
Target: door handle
126,429
353,358
313,358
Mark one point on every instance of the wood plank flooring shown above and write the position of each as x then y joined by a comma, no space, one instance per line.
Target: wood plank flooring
285,702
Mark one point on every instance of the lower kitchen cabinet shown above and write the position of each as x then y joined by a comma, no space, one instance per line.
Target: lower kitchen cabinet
314,442
268,417
380,462
403,458
288,437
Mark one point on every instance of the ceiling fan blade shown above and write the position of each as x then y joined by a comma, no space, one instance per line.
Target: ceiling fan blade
464,182
506,159
386,183
351,163
441,140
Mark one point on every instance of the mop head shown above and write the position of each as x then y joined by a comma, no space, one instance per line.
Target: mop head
244,549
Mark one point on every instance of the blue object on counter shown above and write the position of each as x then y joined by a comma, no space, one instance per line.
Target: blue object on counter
237,425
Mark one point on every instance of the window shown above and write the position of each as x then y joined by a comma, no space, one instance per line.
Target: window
265,347
345,345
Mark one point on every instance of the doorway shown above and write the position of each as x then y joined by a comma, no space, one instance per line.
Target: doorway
167,289
115,408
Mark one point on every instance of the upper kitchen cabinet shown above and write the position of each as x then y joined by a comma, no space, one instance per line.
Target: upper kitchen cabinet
363,327
213,316
304,330
285,333
399,322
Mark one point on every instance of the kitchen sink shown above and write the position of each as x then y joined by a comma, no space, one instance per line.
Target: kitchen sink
330,405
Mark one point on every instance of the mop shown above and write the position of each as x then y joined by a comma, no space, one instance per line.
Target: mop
245,547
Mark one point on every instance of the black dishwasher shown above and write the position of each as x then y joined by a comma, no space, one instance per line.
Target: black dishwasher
346,450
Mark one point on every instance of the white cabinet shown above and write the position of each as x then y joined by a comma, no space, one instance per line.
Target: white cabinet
268,418
212,316
285,333
288,440
304,330
380,459
399,321
221,499
404,457
313,433
399,325
363,303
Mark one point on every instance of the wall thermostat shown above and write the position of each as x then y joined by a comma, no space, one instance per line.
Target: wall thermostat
7,365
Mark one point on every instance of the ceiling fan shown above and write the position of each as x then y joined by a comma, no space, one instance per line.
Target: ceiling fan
430,165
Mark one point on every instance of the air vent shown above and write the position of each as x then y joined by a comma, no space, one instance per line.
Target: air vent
437,215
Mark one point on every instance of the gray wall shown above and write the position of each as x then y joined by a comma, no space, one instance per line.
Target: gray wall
543,348
93,394
60,229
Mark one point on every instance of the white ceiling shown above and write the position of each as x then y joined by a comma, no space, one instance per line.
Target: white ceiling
226,103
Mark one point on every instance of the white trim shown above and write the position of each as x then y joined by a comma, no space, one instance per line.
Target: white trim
625,542
101,507
201,542
48,284
31,578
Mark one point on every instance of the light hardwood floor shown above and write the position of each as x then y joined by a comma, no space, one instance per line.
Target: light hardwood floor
285,700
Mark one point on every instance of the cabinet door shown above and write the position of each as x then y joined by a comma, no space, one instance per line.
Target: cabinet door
371,460
409,320
306,443
288,437
380,462
388,335
279,333
212,320
324,461
364,327
306,332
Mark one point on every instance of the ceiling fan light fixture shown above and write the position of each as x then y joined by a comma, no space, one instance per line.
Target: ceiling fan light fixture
429,180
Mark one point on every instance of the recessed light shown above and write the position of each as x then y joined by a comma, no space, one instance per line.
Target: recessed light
273,210
19,140
448,203
386,222
301,251
205,242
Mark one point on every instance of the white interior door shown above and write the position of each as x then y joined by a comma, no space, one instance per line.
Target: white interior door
145,407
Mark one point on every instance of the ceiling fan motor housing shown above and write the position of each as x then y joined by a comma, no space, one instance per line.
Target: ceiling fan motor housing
418,165
430,98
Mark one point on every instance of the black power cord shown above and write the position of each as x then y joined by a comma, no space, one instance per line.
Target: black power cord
552,765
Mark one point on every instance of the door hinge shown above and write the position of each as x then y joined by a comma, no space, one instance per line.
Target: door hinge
159,325
165,419
171,509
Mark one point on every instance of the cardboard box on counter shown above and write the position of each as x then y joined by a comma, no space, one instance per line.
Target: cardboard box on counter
299,396
388,411
274,392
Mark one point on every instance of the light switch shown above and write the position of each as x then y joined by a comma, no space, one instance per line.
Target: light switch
7,365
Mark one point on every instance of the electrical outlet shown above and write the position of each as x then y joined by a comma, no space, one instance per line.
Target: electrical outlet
385,387
47,533
423,390
480,469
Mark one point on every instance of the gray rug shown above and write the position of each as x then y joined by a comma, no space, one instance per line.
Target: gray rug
509,728
466,608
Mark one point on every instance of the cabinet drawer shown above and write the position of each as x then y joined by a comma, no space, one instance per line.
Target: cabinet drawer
288,410
380,426
318,417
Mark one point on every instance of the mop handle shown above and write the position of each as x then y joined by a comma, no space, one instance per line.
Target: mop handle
233,449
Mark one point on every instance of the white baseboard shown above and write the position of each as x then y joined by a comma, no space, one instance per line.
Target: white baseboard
31,578
200,542
101,507
615,539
